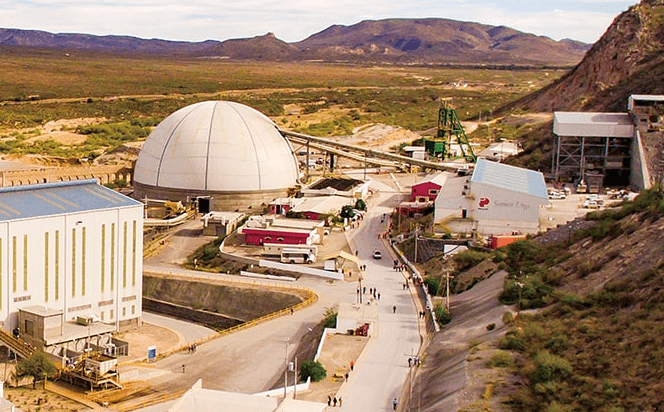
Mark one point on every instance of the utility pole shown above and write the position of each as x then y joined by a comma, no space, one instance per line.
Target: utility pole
416,227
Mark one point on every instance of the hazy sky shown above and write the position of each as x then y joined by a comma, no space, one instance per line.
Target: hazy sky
294,20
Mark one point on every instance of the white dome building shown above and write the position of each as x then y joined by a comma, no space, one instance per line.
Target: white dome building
224,150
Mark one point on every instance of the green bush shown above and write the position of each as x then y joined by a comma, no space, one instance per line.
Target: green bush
433,285
313,369
512,341
469,258
443,317
500,359
549,367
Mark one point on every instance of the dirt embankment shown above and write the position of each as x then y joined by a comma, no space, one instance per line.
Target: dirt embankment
216,305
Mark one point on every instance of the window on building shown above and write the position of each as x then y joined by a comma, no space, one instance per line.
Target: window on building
280,239
46,267
124,312
110,314
433,191
103,258
102,315
57,265
133,309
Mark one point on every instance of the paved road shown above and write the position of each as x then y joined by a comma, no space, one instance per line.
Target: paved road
381,370
252,359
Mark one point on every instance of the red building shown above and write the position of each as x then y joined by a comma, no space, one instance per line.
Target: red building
259,230
427,190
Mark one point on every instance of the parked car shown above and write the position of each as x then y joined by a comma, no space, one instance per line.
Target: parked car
377,254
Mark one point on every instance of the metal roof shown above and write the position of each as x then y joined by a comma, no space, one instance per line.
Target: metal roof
515,179
48,199
593,124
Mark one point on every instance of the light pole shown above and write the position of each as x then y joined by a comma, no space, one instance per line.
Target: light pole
286,368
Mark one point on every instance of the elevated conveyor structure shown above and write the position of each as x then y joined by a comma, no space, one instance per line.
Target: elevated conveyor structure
362,154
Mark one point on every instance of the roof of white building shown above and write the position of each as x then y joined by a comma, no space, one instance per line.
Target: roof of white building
438,179
515,179
48,199
593,124
199,399
322,204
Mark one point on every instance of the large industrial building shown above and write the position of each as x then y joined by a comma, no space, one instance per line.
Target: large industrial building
227,155
611,149
497,198
69,251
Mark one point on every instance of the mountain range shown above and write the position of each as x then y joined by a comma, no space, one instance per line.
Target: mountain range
392,41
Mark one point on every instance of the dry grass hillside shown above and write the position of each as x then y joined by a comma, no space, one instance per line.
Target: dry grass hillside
591,336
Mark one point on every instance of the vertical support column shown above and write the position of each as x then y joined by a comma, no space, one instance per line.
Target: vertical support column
307,166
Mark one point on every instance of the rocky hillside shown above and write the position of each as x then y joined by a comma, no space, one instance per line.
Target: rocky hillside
627,59
423,41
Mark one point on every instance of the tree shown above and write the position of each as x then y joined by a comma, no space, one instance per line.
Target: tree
360,205
37,365
347,211
314,369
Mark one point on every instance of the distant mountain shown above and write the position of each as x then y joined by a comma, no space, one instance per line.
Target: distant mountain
627,59
438,41
400,41
113,44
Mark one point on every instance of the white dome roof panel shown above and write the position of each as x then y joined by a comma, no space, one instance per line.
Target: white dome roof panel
217,146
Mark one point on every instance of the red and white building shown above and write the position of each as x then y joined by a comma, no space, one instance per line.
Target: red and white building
259,230
427,190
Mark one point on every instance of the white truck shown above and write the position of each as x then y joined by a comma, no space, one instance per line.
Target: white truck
297,256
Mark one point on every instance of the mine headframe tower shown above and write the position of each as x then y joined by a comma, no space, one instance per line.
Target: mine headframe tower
449,131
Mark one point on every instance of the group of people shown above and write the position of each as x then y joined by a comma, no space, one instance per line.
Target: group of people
333,401
192,348
372,292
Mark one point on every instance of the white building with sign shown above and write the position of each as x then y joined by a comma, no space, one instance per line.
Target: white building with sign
497,198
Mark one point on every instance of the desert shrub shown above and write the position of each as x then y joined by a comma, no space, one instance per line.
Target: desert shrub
443,317
557,343
512,341
313,369
549,367
433,285
500,359
469,258
330,320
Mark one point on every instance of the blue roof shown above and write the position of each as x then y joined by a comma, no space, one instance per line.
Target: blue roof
48,199
515,179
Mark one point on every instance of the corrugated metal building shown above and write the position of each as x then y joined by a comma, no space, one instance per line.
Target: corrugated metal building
71,247
497,198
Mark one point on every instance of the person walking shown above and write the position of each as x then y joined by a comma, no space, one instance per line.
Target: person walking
329,400
394,309
184,368
352,364
334,401
395,402
340,401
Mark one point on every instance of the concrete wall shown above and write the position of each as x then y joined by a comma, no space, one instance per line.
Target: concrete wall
639,177
221,201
